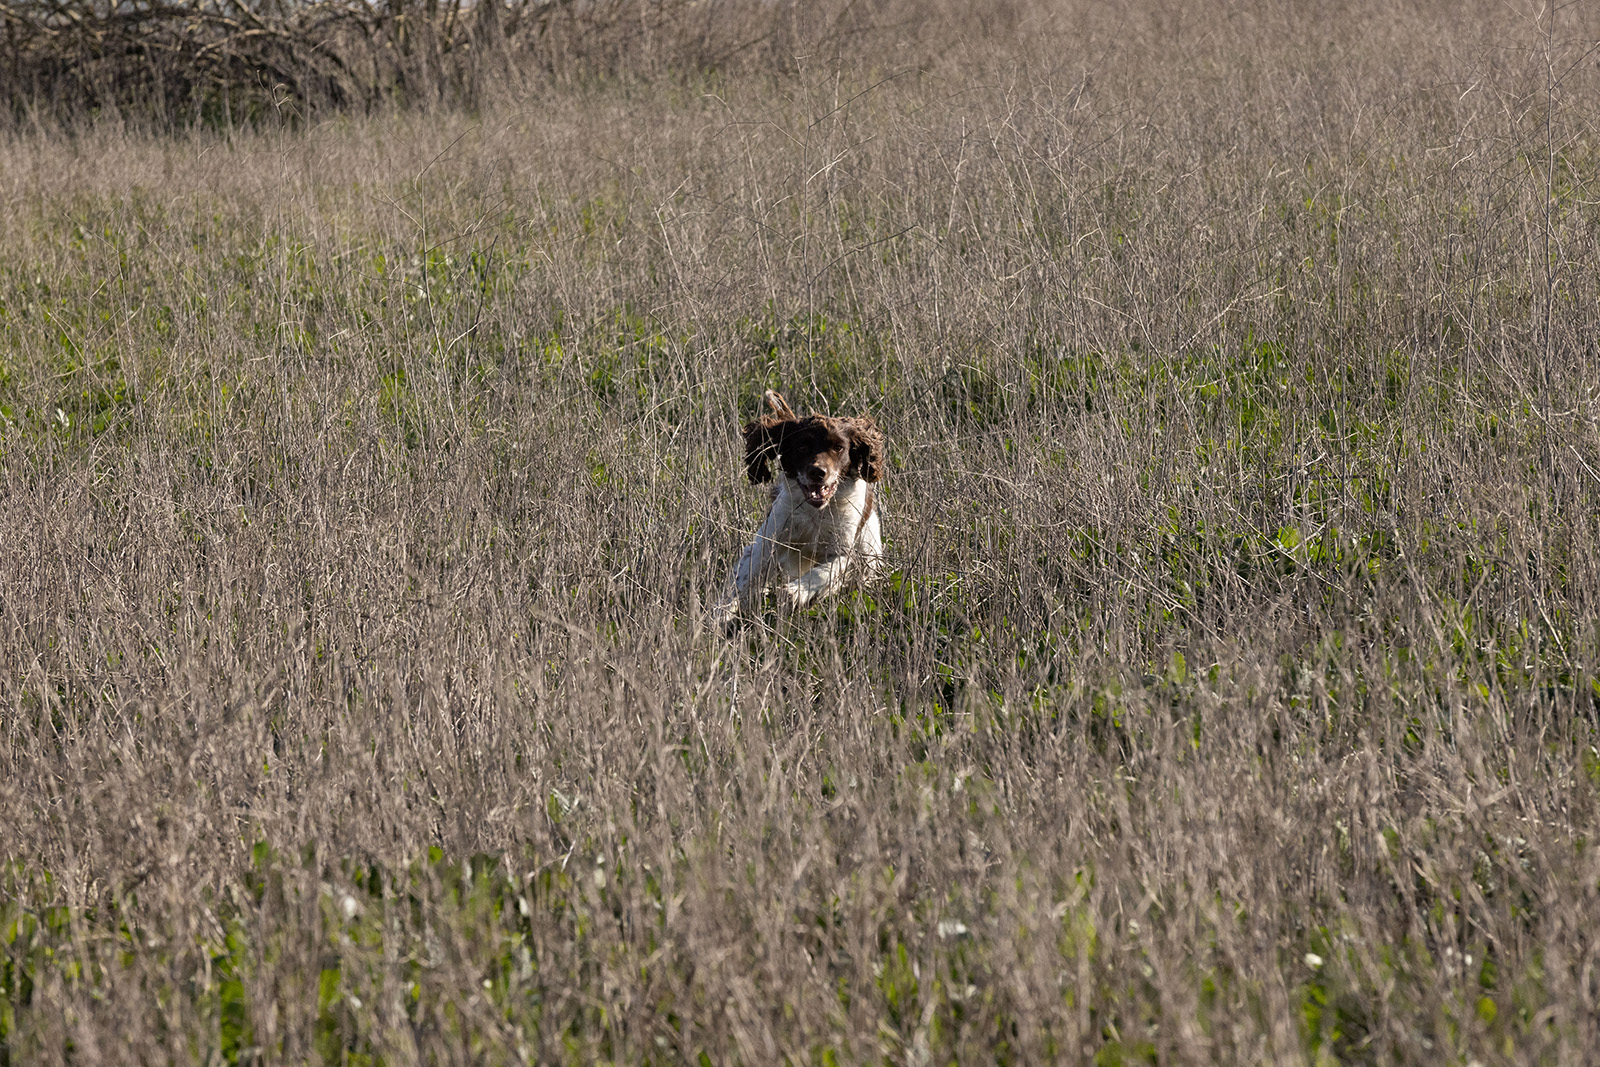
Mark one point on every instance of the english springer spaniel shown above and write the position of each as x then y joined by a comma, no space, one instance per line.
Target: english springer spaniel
824,514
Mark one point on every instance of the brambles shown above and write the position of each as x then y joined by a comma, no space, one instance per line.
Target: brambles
231,64
1232,698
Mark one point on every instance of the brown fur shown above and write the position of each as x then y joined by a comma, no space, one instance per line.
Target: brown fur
796,442
866,515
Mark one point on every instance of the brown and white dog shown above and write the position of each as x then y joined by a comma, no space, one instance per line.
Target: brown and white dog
824,514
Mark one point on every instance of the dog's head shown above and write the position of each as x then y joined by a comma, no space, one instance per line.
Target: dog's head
817,451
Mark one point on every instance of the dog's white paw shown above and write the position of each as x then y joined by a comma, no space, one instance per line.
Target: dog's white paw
797,594
725,616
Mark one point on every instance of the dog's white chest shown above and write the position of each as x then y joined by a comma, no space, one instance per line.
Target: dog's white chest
811,535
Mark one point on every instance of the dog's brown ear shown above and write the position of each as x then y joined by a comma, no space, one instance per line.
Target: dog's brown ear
761,440
866,448
780,407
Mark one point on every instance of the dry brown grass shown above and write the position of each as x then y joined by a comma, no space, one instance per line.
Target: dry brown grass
222,64
1233,698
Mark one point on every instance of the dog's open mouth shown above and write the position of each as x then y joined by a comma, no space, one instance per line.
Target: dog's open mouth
820,496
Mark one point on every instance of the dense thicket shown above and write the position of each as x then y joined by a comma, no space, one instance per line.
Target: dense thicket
226,63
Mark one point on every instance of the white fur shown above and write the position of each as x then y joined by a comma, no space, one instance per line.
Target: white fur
806,551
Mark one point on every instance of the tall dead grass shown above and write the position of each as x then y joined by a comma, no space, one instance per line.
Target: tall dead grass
1232,699
221,64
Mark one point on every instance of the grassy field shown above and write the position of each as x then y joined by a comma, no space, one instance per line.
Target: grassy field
1233,697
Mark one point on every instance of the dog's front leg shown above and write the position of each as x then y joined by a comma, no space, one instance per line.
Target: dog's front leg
752,575
817,582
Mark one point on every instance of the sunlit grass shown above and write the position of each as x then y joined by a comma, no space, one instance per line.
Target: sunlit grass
1230,697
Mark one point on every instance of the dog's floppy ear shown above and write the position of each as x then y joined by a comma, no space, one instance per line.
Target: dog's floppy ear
866,448
762,439
780,407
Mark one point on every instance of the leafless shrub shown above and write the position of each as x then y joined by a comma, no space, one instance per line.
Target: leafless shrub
225,62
